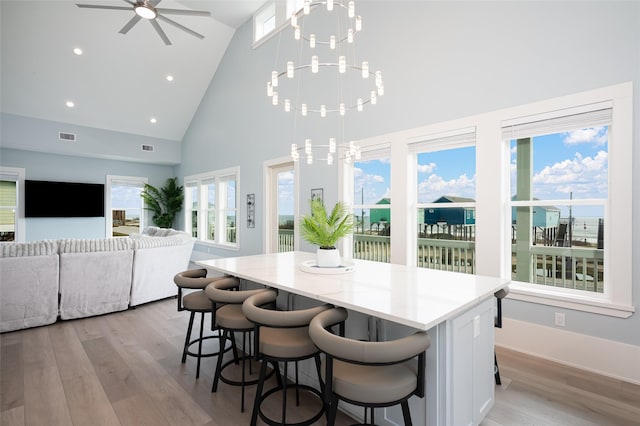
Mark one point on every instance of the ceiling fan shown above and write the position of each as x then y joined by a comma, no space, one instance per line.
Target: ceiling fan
146,9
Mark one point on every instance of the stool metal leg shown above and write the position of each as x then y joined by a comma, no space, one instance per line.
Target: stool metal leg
186,340
200,345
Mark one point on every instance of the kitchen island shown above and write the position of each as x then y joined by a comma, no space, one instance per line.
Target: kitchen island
457,310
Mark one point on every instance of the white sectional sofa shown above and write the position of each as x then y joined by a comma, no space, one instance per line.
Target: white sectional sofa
74,278
29,283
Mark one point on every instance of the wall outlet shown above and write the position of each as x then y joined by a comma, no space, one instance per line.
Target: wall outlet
559,319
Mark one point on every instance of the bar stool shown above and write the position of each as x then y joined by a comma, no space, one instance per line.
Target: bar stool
198,302
500,294
282,337
369,374
228,317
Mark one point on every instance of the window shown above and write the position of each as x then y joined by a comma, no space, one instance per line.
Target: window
372,205
446,193
11,199
273,17
544,190
211,213
281,207
559,192
125,206
264,21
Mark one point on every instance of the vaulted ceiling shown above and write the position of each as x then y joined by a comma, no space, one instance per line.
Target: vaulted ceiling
119,82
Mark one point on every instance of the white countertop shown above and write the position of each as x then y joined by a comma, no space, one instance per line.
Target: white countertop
416,297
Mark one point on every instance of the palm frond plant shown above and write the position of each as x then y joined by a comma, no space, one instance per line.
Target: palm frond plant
323,229
164,203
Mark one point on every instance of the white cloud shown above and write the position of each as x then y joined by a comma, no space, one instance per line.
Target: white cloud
595,135
435,187
586,177
427,168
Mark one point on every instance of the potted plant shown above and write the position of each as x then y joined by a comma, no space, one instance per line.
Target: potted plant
165,203
324,230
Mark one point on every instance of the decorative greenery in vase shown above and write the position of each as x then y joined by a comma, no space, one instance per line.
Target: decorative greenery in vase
165,203
324,230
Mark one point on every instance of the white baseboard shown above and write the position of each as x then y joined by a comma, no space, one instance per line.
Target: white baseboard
606,357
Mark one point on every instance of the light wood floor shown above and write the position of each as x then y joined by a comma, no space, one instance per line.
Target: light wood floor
124,369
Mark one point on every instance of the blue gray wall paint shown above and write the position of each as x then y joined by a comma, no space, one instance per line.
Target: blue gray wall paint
42,166
441,61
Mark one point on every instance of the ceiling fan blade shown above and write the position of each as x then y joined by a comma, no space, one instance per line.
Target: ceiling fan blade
130,24
95,6
182,27
184,12
130,2
161,33
154,3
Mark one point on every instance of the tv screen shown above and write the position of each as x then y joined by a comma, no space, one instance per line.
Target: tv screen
63,199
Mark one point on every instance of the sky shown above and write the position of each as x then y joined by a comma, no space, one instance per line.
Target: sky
568,164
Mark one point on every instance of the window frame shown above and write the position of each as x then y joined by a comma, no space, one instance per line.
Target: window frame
493,198
109,181
18,175
201,181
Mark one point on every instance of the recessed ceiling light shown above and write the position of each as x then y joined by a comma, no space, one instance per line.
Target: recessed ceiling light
70,104
169,77
77,51
153,120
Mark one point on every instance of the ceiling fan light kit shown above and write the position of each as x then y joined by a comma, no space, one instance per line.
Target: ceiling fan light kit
147,9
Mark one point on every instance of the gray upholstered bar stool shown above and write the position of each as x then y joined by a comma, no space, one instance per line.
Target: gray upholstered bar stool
198,302
500,294
369,374
228,317
282,337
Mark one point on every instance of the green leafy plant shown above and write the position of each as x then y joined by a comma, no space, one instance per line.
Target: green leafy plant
324,230
165,203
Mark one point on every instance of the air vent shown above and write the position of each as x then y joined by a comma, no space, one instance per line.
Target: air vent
71,137
147,148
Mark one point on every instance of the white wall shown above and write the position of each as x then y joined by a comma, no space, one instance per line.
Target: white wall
441,61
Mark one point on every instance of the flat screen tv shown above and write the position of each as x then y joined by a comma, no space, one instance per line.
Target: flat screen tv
63,199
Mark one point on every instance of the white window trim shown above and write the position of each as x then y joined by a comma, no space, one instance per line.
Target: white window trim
282,20
218,176
107,201
493,207
18,174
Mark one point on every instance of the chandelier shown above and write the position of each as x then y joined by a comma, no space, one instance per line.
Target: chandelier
332,53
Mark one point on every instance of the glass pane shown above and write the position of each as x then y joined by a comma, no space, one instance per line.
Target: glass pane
560,244
126,209
286,221
8,201
211,225
372,226
231,193
566,166
191,197
231,227
447,176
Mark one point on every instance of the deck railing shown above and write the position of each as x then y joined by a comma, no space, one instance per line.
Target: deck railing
577,268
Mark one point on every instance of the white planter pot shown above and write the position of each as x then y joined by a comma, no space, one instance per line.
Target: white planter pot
328,258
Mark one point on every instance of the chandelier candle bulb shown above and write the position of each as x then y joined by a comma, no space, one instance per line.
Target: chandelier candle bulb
374,98
342,64
294,20
287,105
329,159
332,145
269,89
303,109
342,109
332,42
323,111
378,78
309,159
350,35
308,148
381,90
359,104
358,23
274,99
365,69
307,7
351,8
290,69
329,5
312,41
314,64
296,32
274,78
